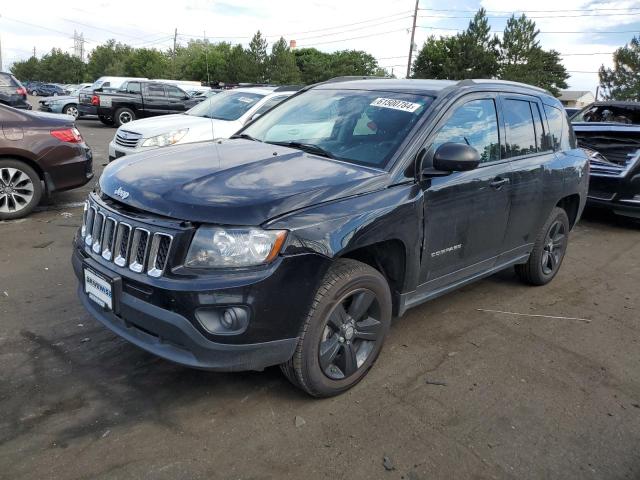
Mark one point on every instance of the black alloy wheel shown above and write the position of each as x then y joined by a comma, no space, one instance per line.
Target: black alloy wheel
555,244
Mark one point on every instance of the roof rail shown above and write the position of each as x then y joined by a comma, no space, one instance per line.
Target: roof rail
346,78
476,81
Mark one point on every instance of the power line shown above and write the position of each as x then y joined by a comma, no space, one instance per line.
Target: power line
353,38
531,16
592,32
534,11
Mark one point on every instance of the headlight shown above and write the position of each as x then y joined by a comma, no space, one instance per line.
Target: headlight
216,247
165,139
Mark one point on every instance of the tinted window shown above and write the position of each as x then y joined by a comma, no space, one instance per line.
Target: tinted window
156,90
133,87
474,123
554,117
175,92
541,138
521,135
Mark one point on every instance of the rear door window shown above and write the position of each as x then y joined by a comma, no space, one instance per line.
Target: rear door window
175,92
156,90
521,133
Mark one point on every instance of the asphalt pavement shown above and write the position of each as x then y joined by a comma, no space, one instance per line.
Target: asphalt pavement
497,380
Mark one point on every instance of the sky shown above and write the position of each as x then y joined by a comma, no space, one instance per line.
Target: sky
585,32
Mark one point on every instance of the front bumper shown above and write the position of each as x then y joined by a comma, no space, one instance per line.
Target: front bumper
160,314
619,194
116,151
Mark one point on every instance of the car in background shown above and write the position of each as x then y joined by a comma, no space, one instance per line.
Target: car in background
198,97
67,104
47,90
220,116
102,84
610,133
40,153
12,93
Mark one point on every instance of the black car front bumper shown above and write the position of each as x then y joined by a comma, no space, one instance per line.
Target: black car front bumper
160,314
619,194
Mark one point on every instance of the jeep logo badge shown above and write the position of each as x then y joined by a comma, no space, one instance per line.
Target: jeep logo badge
123,194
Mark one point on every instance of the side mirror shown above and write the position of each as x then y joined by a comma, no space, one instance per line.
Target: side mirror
456,157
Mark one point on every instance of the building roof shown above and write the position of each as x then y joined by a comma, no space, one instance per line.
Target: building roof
572,95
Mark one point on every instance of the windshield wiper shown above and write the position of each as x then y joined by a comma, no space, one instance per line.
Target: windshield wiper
246,136
306,147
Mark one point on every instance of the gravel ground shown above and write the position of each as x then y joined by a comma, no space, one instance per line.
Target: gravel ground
458,391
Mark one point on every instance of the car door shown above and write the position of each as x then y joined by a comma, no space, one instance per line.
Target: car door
176,99
528,150
155,100
465,213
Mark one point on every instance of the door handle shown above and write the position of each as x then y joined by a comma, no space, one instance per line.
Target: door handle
499,182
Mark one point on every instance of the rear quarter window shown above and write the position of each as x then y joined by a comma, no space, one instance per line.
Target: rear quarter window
561,136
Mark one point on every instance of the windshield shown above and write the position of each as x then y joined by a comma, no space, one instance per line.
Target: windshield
226,106
609,114
364,127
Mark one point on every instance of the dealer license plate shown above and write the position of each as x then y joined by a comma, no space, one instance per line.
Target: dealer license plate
98,289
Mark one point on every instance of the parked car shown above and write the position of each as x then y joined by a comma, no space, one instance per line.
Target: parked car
40,153
610,132
219,117
295,241
47,90
102,84
137,99
67,104
12,92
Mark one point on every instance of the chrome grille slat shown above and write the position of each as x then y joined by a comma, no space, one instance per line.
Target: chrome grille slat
116,238
122,244
98,224
139,246
159,254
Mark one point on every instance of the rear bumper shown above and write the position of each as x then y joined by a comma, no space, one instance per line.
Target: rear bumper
73,172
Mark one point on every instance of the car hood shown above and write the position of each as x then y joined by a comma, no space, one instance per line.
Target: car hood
232,182
149,127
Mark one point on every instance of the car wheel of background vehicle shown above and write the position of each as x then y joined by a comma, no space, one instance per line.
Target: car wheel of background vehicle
105,121
343,332
72,110
34,93
548,251
20,189
124,115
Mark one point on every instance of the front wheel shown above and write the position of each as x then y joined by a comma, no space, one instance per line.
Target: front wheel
548,250
344,331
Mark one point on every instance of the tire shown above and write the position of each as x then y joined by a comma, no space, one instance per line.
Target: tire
34,93
123,115
105,121
340,323
548,250
20,189
71,109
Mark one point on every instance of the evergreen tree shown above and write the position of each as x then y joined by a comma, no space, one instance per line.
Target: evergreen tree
622,82
282,68
257,54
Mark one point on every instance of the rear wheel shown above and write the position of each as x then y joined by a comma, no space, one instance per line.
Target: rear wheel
124,115
20,189
548,251
71,109
343,332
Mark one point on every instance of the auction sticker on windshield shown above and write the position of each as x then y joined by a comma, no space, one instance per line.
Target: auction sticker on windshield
395,104
98,289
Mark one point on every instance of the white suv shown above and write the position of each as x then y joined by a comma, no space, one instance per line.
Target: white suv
220,116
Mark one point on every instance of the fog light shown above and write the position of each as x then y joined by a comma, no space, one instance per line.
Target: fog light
223,320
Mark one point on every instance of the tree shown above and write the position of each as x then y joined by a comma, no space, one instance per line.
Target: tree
239,66
434,60
313,65
523,60
282,68
147,62
257,54
622,82
352,62
108,59
27,69
61,67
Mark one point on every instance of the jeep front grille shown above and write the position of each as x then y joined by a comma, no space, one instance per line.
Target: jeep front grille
120,241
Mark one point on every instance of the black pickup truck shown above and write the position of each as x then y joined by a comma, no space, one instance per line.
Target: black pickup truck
295,241
138,99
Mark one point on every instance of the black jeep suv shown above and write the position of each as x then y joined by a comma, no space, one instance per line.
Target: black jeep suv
296,241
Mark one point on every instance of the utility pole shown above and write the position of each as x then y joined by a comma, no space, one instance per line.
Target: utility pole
413,34
34,52
175,41
0,54
206,56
